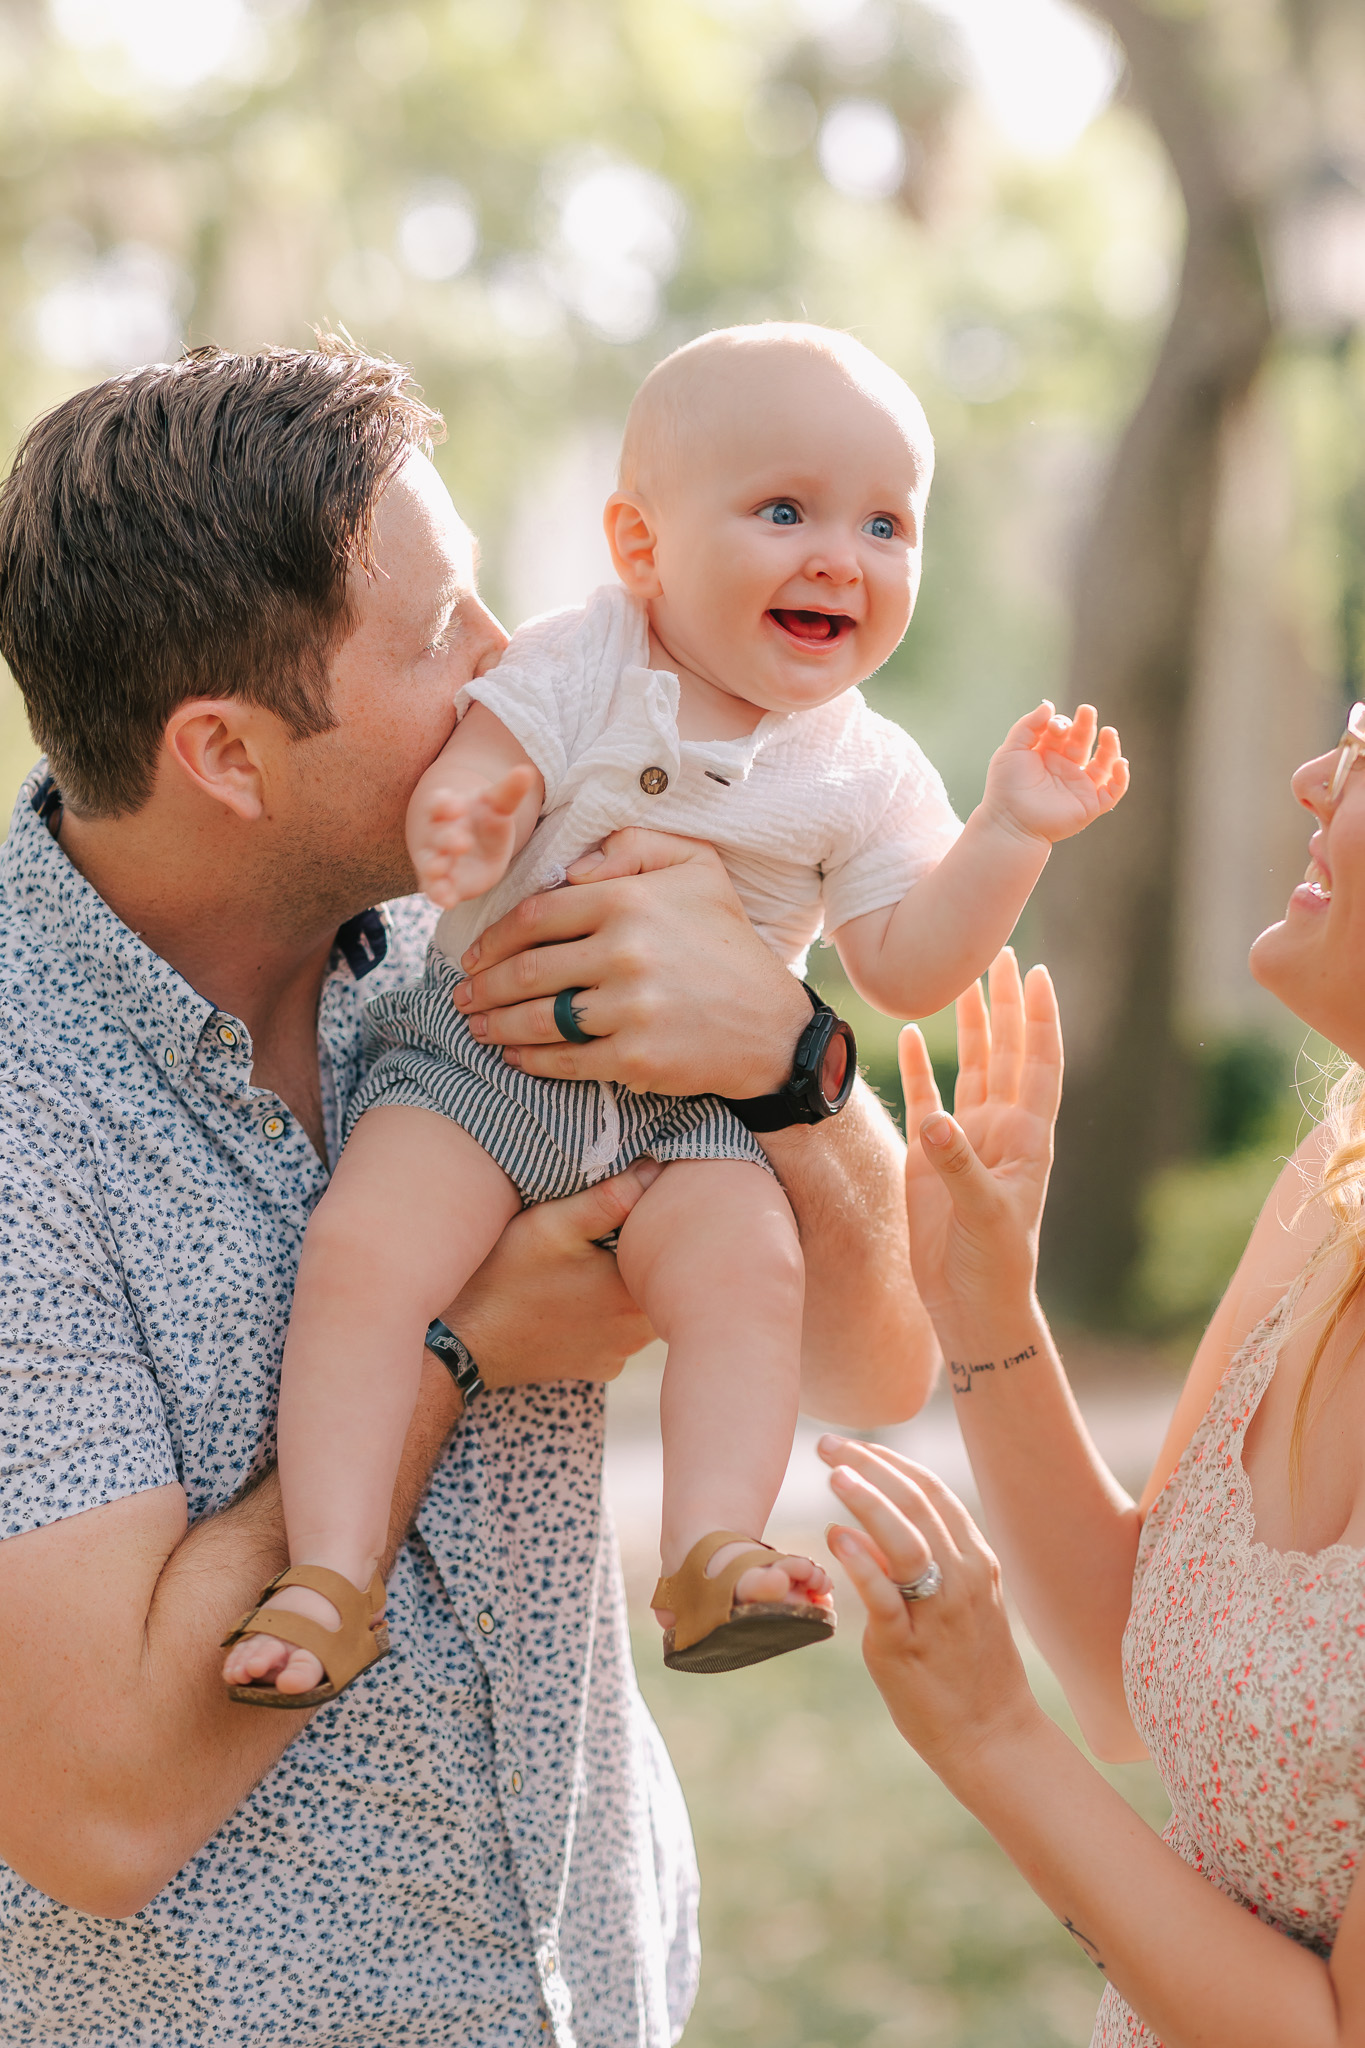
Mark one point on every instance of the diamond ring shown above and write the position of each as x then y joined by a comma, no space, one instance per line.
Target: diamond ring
926,1585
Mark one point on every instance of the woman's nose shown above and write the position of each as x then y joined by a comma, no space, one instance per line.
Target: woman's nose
1311,782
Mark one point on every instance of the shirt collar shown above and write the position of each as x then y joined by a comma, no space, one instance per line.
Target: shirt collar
159,1007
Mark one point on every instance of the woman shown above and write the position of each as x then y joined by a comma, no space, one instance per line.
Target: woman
1219,1623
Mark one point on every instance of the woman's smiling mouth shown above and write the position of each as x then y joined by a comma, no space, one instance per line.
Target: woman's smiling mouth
812,629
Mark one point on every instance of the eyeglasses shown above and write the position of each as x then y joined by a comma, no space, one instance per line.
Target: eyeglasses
1349,751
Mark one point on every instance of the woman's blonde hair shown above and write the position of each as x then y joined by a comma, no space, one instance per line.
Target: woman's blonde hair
1342,1186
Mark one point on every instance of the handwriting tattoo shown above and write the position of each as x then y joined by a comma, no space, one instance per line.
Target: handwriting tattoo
963,1374
1086,1943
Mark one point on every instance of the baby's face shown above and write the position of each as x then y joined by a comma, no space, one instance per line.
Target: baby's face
789,534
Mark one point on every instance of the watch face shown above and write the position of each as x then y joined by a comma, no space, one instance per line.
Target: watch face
834,1068
838,1066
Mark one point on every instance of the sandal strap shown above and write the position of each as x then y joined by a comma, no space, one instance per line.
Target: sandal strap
343,1652
702,1604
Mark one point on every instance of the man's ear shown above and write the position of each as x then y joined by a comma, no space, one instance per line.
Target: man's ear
629,527
213,744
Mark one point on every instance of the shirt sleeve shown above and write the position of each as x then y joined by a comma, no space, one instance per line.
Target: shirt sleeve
81,1419
904,824
553,687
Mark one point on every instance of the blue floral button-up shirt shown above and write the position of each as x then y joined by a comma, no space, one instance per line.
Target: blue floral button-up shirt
482,1842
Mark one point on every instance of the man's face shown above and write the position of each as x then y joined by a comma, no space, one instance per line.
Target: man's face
421,634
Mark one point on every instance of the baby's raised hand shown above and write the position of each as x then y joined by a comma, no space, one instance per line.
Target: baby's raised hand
462,839
1052,775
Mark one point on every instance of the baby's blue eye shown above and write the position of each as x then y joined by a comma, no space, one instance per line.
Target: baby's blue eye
781,512
881,528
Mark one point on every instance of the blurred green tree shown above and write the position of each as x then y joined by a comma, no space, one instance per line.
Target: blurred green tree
531,200
1247,101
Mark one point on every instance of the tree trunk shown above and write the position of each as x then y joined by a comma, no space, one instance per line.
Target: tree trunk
1108,903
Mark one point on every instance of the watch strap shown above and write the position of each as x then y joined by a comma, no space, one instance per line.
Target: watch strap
778,1112
455,1356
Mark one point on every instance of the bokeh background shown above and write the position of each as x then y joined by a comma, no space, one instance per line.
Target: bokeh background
1120,251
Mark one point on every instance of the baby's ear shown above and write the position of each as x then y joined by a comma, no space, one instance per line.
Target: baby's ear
630,533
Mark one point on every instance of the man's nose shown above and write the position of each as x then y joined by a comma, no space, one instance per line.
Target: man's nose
496,637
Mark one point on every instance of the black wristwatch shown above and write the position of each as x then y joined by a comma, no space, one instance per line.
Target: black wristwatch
822,1076
453,1353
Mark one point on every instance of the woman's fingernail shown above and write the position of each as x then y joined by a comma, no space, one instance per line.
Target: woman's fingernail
585,864
470,960
829,1443
478,1027
511,1056
463,996
937,1129
648,1170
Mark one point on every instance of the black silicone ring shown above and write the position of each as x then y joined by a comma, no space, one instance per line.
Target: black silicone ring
566,1024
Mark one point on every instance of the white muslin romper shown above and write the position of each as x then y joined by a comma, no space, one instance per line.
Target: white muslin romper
819,816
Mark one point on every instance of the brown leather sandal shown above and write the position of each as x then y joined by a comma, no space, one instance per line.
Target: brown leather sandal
344,1652
710,1633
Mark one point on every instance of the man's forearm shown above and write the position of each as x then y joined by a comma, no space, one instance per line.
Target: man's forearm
133,1756
869,1353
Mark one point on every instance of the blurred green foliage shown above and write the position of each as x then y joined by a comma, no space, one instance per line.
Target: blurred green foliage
287,197
1197,1214
280,188
847,1900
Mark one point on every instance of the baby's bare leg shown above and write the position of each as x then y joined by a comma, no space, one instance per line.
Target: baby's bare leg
711,1254
414,1206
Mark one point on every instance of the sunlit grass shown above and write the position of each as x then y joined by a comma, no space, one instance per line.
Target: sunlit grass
847,1900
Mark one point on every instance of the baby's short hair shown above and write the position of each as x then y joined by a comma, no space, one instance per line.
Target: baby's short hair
666,406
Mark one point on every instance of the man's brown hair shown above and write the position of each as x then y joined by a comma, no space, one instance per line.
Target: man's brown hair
185,531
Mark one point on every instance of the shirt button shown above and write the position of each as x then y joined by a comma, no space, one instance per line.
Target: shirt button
487,1623
169,1055
654,781
516,1781
273,1127
226,1035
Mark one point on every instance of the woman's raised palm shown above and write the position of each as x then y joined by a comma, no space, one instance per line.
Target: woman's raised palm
974,1208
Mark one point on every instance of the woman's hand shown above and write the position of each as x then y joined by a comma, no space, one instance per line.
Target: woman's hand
681,996
548,1303
975,1188
946,1666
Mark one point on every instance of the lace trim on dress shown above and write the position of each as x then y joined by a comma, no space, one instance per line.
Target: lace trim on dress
1246,1382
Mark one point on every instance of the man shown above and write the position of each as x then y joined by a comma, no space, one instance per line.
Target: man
239,606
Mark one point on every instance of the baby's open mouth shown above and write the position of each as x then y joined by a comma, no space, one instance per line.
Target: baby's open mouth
813,629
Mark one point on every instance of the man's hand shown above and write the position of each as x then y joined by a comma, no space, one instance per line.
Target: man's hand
681,996
548,1303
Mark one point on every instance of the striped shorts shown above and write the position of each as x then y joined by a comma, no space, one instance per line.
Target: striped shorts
551,1138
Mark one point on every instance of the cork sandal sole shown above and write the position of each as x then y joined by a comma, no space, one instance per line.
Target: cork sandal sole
361,1640
712,1634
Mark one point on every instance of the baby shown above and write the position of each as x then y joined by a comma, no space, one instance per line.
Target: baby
767,535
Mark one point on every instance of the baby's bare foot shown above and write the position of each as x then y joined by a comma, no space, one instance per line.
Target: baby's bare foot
795,1582
267,1660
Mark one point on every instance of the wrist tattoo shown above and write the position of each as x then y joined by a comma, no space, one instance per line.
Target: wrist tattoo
1086,1943
963,1373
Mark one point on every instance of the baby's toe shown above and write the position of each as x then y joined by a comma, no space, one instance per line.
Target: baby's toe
809,1579
798,1582
301,1673
767,1583
255,1657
